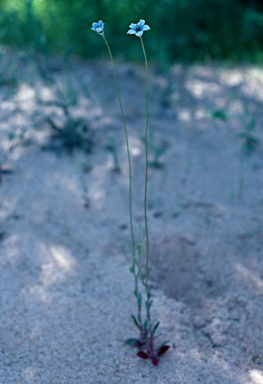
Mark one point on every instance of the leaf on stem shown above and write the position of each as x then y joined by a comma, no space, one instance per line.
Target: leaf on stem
139,301
133,342
148,304
163,349
162,344
139,249
141,234
136,322
155,327
143,355
124,246
145,324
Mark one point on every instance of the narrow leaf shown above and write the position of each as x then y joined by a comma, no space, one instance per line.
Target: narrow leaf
133,342
148,304
155,327
136,322
163,349
139,300
161,345
143,355
145,325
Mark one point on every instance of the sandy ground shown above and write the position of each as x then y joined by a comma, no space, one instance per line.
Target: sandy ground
66,291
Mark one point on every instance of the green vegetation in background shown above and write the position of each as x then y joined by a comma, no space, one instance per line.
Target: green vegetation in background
181,30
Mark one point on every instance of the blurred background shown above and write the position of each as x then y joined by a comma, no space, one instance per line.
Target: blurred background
181,30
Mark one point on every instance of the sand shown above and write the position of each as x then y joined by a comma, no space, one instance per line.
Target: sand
66,291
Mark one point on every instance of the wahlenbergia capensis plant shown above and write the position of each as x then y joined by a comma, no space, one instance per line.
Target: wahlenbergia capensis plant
139,261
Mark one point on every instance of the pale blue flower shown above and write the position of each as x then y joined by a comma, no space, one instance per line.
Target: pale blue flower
138,29
98,27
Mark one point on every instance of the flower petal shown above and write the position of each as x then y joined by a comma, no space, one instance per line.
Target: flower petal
131,32
146,27
98,27
141,23
139,34
132,25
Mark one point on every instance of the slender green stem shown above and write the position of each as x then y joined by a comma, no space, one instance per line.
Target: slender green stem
146,171
127,148
133,261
